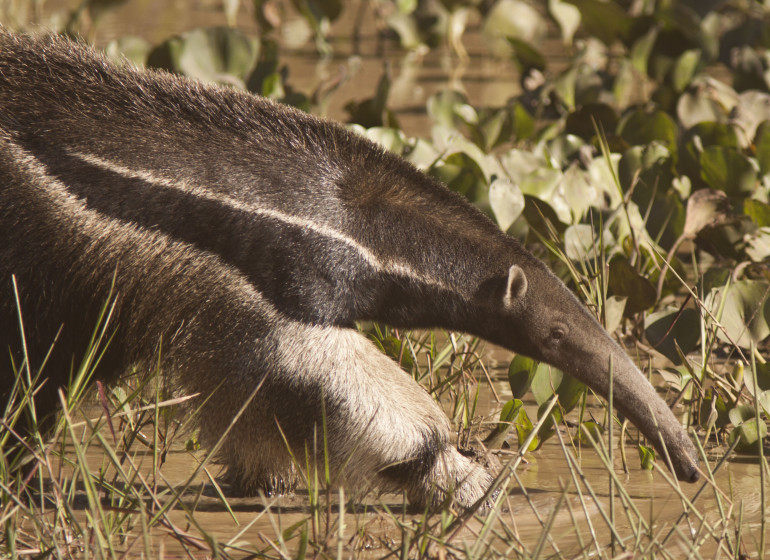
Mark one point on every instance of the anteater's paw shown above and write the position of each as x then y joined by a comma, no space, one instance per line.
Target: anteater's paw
453,481
255,484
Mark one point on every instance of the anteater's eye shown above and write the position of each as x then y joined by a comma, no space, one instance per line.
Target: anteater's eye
558,333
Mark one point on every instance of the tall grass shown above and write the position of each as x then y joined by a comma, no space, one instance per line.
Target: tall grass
97,487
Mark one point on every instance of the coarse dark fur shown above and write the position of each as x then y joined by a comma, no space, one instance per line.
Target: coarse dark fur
250,237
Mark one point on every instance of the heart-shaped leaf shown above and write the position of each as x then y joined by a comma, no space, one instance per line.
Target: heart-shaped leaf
728,170
669,328
745,312
705,207
520,374
506,200
567,17
626,282
748,435
643,127
217,54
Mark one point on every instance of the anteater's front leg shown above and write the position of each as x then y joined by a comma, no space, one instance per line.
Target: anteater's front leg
330,388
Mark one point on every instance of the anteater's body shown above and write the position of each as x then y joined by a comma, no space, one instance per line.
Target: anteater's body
249,237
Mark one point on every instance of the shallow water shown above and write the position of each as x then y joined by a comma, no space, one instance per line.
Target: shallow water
547,492
545,475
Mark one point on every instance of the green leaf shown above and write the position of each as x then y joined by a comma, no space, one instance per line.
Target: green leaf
550,425
513,19
668,328
459,177
547,379
406,6
640,51
741,413
570,391
544,381
643,127
524,427
520,374
699,136
422,154
614,308
541,217
580,191
582,243
523,123
459,150
564,149
392,139
442,107
763,378
762,145
648,169
604,20
752,109
728,170
564,87
677,377
567,17
596,431
526,56
625,281
687,65
748,433
394,348
745,313
494,127
213,54
133,49
506,200
698,106
217,54
764,402
758,211
500,432
318,14
406,27
583,121
646,457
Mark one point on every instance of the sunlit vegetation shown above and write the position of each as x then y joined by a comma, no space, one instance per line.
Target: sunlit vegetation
638,168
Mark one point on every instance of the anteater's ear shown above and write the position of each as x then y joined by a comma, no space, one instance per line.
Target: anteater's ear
516,286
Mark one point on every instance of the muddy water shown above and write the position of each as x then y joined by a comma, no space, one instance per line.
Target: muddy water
256,524
546,492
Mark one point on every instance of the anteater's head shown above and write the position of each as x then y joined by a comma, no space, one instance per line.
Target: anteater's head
535,314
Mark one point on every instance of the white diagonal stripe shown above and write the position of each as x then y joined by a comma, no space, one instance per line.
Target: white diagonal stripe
392,267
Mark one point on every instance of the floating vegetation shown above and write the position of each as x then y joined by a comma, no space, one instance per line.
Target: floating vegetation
638,167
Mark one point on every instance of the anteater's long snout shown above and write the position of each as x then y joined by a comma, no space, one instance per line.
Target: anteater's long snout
690,472
637,400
